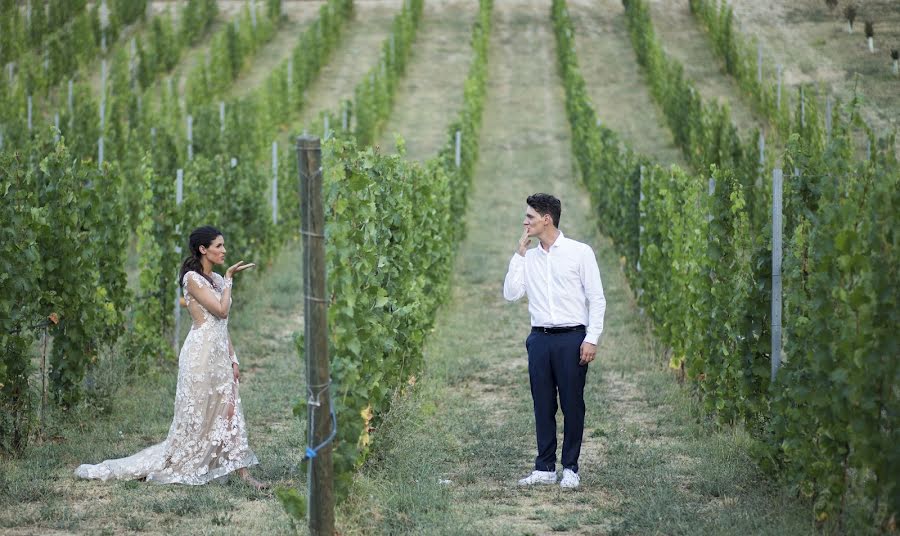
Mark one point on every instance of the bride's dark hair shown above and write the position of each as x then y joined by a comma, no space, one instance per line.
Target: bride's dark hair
201,236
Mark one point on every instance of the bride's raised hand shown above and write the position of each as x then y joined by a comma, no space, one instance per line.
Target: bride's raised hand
237,267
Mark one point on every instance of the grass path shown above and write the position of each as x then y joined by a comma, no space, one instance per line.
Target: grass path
648,467
614,79
358,51
430,94
299,16
685,41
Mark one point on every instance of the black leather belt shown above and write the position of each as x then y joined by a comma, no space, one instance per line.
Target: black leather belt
554,331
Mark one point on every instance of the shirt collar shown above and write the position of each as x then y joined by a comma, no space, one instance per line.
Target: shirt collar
558,242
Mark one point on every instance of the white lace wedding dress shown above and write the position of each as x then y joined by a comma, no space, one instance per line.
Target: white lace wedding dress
208,436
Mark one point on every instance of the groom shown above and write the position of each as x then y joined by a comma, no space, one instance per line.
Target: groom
566,303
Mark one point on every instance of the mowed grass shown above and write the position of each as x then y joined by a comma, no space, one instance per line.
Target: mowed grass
615,82
448,457
684,40
39,494
297,16
429,96
815,48
357,52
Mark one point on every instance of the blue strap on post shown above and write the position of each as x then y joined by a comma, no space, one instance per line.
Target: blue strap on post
313,452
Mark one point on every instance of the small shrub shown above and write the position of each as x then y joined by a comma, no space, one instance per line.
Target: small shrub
850,15
870,33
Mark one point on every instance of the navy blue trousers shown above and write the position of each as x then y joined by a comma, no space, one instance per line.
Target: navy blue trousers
553,369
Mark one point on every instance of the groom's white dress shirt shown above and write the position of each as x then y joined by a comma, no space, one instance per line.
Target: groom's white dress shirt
563,286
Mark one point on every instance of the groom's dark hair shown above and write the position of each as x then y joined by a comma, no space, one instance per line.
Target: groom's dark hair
545,204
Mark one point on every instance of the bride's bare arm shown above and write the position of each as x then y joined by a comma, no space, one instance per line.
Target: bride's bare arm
231,352
207,297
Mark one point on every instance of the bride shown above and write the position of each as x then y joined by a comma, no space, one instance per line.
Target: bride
208,436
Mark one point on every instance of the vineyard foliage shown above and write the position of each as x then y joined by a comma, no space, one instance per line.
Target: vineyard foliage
390,233
739,59
696,242
698,249
54,185
64,271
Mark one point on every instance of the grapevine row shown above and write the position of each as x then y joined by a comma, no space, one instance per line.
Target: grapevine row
393,219
85,207
699,255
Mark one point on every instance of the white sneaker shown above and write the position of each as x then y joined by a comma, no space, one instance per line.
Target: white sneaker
570,479
539,477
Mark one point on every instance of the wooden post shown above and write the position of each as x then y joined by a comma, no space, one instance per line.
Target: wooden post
290,76
777,182
778,88
640,223
458,148
828,117
56,125
318,376
275,183
190,137
100,152
762,150
759,63
221,116
179,197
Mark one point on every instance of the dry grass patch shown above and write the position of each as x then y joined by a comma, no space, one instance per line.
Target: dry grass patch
815,48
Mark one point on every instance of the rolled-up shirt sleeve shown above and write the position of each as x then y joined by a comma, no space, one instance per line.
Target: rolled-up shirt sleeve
593,292
514,284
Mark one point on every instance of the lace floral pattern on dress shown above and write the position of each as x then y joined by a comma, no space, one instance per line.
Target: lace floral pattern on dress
208,435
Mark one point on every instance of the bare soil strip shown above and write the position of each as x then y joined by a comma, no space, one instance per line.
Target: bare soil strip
617,86
431,93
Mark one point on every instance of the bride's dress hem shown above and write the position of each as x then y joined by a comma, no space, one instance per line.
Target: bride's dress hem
105,471
208,436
